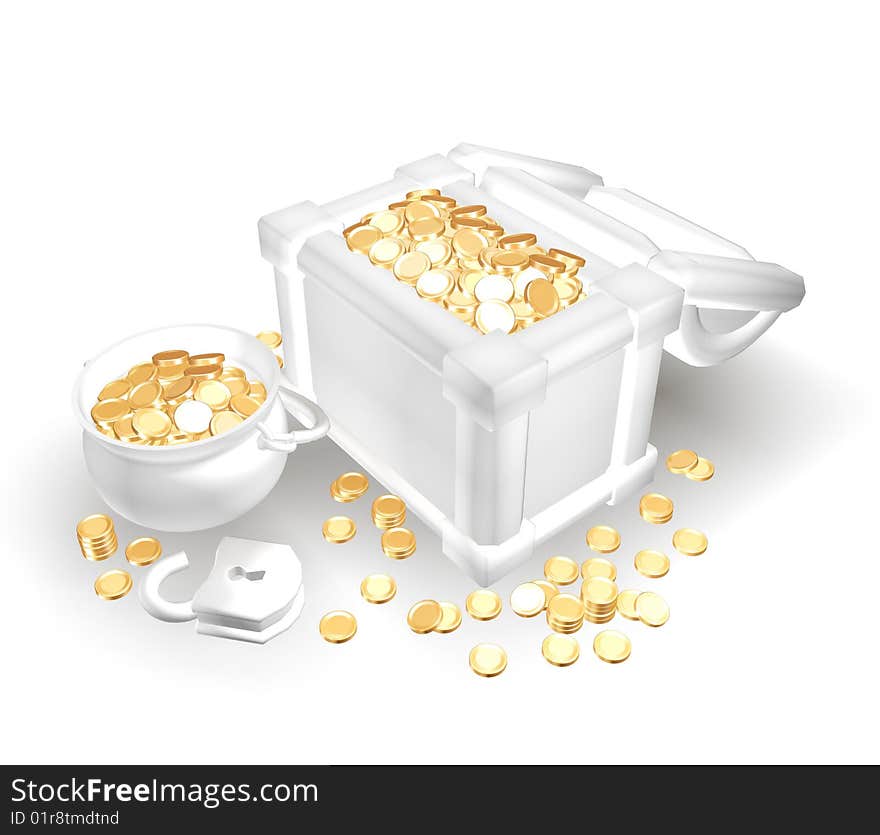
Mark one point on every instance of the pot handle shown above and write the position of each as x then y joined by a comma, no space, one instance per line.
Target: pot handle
300,407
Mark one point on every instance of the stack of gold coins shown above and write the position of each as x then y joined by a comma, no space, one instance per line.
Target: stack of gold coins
565,613
464,260
655,508
97,537
398,543
349,487
388,512
599,596
176,398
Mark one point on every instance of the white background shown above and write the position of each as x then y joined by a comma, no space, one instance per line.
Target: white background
140,144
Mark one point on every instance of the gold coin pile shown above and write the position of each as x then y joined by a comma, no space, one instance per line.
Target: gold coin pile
687,462
349,487
388,512
655,508
464,260
433,616
599,596
398,543
176,398
565,613
97,537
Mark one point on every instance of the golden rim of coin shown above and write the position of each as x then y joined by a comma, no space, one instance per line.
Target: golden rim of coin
337,626
626,603
652,609
113,584
703,470
424,616
469,211
378,588
651,563
612,646
450,619
528,600
603,538
206,359
338,529
598,567
483,604
681,461
547,265
518,240
561,570
175,356
143,551
560,650
690,542
488,660
573,261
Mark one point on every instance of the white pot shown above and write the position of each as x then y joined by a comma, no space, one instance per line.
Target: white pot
189,487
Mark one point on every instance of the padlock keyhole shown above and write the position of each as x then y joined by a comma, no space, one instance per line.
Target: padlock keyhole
238,573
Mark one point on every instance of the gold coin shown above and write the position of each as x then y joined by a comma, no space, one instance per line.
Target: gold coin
115,390
388,511
569,290
143,551
681,461
560,650
468,243
257,391
206,359
652,609
339,529
279,360
547,265
626,604
338,626
492,230
426,228
213,393
204,372
151,424
177,390
483,604
495,315
233,371
690,542
651,563
424,616
236,385
124,430
543,298
550,590
417,209
145,395
97,526
224,422
165,359
469,279
398,543
598,567
378,588
518,241
460,302
386,251
440,200
352,485
361,237
703,470
438,251
168,373
528,600
106,412
494,287
599,592
450,620
467,223
488,660
509,262
388,223
434,284
469,211
410,266
561,570
612,646
422,192
271,339
244,405
141,373
572,261
655,508
113,584
603,538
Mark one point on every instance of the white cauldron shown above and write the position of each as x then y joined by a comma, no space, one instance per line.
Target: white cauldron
189,487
